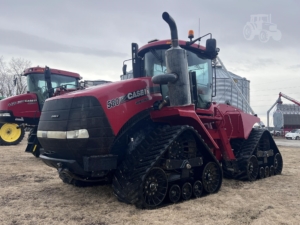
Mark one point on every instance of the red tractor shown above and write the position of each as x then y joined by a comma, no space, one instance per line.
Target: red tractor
25,109
157,137
10,133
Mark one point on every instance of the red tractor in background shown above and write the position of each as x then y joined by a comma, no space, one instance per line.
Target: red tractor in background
157,137
10,133
25,110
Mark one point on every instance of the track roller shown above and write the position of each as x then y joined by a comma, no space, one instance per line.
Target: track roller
261,173
197,189
267,171
272,170
252,168
187,191
174,193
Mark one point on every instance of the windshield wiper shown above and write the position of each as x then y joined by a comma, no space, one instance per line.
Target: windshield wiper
153,51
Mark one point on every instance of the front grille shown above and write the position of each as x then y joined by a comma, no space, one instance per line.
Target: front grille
73,114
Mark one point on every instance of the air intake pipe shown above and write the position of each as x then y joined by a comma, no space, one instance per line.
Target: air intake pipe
177,76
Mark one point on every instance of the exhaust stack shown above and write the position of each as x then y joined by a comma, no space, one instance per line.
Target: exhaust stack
177,76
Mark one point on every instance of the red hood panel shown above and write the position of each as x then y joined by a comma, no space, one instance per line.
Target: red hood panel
25,105
121,100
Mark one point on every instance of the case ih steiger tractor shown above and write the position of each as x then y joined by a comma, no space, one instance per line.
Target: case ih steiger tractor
157,137
24,110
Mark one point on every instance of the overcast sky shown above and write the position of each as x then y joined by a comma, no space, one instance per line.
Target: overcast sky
94,37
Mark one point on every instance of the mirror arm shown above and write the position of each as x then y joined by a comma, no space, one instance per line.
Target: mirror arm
188,43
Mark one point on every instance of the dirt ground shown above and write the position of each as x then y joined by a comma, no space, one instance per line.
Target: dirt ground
32,193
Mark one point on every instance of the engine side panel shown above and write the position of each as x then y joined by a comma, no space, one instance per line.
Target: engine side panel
23,109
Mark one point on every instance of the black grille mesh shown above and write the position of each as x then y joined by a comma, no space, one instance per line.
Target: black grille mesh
73,114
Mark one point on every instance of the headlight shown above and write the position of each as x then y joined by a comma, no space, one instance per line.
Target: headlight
82,133
73,134
4,114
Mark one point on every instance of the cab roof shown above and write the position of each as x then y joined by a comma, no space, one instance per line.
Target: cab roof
167,44
38,69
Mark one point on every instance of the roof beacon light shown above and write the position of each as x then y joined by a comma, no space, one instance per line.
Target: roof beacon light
191,35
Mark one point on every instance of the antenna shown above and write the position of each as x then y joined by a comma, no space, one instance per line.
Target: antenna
199,29
199,32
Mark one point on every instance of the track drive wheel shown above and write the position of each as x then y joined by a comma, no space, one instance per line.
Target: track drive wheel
252,168
10,134
211,177
155,187
174,193
278,164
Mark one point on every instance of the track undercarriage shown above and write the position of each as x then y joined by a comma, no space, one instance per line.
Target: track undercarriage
257,157
170,164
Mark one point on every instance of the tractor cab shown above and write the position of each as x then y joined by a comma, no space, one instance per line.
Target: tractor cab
155,64
151,61
46,83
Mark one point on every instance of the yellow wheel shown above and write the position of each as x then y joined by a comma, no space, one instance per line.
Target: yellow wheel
10,134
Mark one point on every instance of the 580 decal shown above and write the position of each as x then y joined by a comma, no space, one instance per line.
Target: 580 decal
129,96
114,102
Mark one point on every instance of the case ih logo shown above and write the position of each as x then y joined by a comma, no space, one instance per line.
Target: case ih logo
128,97
22,101
133,95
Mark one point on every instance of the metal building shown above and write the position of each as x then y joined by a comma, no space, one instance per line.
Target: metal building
226,91
287,116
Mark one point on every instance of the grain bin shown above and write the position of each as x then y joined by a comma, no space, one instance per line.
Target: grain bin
226,92
287,116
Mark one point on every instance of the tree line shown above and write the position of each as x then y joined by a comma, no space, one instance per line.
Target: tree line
11,80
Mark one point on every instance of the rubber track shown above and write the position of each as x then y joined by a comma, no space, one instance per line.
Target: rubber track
130,174
247,150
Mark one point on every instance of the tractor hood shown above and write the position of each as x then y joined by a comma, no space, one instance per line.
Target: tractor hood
20,109
118,100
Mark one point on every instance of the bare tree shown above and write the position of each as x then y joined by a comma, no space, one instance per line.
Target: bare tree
3,77
16,69
10,71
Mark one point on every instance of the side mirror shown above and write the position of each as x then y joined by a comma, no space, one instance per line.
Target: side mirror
47,73
211,48
124,69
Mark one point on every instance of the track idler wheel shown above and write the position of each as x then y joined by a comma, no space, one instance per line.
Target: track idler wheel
252,168
211,177
272,172
278,164
174,193
187,191
155,187
197,189
261,173
267,171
